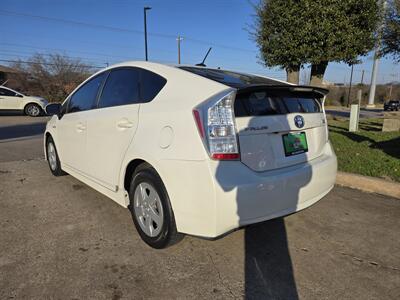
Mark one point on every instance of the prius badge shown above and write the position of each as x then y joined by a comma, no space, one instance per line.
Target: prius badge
299,121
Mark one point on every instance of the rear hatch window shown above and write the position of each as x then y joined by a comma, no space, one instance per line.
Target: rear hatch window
263,103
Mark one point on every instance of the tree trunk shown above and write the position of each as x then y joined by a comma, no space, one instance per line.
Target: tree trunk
317,73
293,74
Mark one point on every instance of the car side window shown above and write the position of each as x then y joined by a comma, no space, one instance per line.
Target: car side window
5,92
152,84
121,88
85,97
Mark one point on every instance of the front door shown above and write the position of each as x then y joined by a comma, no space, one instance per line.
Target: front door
72,127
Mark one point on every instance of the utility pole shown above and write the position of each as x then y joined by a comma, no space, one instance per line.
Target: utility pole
145,9
360,91
374,75
362,77
391,86
351,81
179,39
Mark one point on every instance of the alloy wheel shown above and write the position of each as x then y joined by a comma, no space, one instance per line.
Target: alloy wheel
52,156
148,209
33,110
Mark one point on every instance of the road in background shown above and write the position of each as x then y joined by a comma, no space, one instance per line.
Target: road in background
21,137
60,239
364,113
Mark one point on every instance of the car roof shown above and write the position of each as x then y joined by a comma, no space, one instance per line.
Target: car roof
233,78
229,78
239,80
7,88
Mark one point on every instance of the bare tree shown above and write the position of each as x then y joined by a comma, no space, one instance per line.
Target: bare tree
52,76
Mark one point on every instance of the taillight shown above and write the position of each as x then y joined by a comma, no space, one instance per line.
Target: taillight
218,128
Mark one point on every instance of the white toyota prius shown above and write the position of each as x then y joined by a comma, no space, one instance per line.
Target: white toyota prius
193,150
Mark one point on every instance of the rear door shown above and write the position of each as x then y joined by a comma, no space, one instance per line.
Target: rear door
278,128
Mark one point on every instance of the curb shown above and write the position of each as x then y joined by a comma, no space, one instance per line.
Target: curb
368,184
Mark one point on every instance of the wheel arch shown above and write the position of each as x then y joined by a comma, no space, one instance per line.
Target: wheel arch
133,165
32,102
130,170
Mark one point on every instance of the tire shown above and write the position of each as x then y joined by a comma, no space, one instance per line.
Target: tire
53,159
152,215
32,110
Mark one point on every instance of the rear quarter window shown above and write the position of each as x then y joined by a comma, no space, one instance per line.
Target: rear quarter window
151,85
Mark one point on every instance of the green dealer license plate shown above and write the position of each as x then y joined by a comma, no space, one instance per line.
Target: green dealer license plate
295,143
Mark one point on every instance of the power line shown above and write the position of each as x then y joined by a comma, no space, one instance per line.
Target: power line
119,29
30,54
113,45
108,56
46,64
79,23
63,50
217,45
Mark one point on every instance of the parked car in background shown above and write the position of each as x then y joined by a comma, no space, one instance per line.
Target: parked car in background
11,100
392,105
193,150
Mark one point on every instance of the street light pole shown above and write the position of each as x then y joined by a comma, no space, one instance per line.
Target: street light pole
374,75
145,9
351,82
179,39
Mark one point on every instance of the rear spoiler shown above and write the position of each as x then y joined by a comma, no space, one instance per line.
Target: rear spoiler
315,91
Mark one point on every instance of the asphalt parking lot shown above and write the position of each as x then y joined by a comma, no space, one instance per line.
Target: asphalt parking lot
60,239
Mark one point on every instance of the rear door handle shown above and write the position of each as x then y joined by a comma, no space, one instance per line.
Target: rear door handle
124,124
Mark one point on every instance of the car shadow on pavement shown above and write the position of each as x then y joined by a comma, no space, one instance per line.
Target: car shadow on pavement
23,130
11,113
268,265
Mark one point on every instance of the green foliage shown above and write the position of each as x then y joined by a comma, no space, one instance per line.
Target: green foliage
369,152
295,32
279,33
391,31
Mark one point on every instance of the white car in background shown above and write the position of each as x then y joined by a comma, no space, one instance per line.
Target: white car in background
193,150
11,100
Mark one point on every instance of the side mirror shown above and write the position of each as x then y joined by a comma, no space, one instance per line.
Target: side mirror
53,109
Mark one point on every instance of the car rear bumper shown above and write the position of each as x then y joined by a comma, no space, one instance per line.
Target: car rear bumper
245,197
231,195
